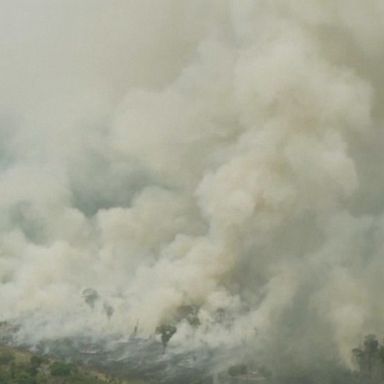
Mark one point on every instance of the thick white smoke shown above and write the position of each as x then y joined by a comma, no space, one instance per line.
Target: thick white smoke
221,154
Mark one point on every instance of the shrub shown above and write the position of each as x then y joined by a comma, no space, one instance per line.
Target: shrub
6,358
24,378
36,361
60,369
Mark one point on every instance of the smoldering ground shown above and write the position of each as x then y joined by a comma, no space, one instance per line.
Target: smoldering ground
224,155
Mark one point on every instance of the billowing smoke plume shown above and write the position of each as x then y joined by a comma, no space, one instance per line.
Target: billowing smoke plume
220,154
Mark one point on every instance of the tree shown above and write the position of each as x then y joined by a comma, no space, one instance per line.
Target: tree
166,331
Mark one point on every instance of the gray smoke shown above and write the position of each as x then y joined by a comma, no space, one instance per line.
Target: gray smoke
220,154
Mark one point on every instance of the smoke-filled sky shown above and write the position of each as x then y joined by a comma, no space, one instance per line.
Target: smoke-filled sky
225,154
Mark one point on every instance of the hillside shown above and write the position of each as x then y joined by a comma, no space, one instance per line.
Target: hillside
21,367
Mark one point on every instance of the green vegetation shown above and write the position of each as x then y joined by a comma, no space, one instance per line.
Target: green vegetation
19,367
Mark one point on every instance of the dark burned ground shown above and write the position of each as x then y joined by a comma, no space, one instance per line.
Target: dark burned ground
128,359
144,361
135,358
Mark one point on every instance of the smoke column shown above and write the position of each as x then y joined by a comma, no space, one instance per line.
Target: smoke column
222,154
